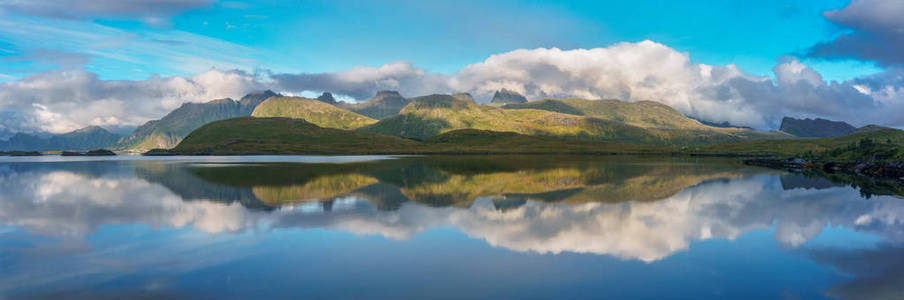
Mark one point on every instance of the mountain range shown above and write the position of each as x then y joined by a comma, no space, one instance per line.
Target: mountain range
88,138
388,113
168,131
384,104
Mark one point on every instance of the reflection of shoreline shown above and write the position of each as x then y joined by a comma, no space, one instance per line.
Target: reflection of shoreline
440,183
643,212
621,220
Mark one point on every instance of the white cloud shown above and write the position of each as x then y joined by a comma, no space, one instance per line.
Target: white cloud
64,100
633,72
627,71
875,31
43,201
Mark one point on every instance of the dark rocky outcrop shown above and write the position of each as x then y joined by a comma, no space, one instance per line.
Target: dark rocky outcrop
327,97
505,96
817,128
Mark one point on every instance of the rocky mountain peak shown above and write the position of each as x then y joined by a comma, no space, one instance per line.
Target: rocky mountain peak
506,96
327,97
816,127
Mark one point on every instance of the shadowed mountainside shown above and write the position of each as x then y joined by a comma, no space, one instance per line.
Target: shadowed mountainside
88,138
818,128
168,131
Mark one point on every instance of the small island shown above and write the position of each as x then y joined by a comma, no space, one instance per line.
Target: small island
98,152
20,153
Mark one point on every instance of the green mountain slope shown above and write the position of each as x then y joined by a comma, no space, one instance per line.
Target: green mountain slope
88,138
172,128
297,136
801,145
605,120
384,104
646,114
314,111
285,135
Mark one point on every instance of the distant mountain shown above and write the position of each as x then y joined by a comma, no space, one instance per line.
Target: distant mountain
723,124
604,120
816,127
505,96
327,97
168,131
88,138
384,104
317,112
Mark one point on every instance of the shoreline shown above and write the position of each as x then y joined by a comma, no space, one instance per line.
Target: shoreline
874,170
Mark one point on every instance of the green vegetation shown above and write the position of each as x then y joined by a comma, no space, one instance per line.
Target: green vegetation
865,150
459,180
601,120
314,111
296,136
435,114
285,136
798,146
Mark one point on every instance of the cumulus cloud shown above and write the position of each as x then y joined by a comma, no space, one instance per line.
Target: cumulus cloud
364,82
64,100
627,71
152,12
638,71
876,32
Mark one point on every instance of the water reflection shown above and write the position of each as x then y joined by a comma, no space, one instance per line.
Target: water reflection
632,209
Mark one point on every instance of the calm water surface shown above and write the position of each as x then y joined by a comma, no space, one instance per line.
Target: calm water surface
440,227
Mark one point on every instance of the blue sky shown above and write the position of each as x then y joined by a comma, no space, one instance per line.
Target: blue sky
329,36
71,63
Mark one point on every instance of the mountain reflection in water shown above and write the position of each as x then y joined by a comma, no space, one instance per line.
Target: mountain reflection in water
632,209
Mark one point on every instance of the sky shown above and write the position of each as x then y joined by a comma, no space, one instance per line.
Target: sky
67,64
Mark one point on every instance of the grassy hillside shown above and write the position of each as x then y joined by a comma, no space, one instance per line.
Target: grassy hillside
168,131
434,114
604,120
292,136
314,111
645,114
801,145
286,136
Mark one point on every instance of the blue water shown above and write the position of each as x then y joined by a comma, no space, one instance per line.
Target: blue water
396,227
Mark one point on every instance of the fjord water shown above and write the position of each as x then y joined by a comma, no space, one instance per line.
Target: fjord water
440,227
